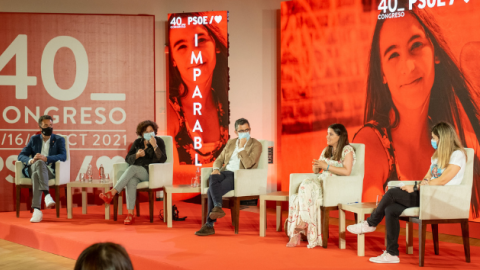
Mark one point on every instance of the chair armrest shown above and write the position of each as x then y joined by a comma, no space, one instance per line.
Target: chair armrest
118,170
18,171
445,202
62,172
250,182
204,179
407,183
160,175
296,179
342,189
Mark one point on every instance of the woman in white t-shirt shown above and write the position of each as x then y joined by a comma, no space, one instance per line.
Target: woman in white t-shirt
447,168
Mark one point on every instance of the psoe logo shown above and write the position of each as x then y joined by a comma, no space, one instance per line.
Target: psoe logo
392,5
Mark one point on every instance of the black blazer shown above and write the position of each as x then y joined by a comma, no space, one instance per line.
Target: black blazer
150,154
57,151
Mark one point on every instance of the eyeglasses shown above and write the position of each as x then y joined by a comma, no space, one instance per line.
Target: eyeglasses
243,131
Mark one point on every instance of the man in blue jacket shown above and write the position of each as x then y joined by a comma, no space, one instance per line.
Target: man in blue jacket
39,157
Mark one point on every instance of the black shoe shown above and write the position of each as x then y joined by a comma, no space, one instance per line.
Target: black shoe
217,212
205,230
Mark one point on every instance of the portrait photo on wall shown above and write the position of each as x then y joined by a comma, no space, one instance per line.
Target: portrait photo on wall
389,71
198,84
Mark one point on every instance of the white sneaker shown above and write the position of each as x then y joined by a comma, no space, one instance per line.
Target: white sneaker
37,216
385,258
49,202
361,228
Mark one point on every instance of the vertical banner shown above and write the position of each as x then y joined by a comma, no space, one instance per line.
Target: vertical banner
94,74
198,84
388,70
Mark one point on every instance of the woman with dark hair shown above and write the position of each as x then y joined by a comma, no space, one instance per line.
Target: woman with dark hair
145,150
447,168
104,256
413,82
337,158
198,72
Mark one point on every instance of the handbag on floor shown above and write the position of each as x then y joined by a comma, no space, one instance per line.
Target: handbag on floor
175,214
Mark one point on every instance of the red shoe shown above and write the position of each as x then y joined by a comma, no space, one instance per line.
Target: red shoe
107,197
129,220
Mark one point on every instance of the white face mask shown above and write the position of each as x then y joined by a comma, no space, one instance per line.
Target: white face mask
148,135
244,135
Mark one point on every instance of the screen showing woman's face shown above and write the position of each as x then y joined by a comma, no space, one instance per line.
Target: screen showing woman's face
182,42
407,59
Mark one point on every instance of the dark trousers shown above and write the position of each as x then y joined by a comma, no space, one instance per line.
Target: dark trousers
391,207
219,185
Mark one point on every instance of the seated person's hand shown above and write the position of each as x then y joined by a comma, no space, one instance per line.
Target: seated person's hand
243,142
424,182
153,141
42,157
36,158
319,164
215,172
140,153
408,189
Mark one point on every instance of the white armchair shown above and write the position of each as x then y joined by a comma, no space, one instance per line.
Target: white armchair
248,185
336,189
160,175
62,177
440,204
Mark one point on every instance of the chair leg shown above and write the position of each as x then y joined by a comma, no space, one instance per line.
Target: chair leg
166,211
237,213
466,239
30,197
326,221
137,204
150,202
57,200
409,231
232,210
115,207
435,238
422,231
18,197
204,209
65,189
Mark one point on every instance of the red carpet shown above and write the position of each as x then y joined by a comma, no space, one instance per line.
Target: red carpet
154,246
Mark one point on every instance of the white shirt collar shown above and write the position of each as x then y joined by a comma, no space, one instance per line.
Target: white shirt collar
43,141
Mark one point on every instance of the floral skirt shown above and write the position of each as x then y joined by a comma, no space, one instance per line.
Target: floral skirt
305,206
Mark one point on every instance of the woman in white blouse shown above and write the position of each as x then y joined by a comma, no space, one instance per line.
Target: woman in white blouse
447,168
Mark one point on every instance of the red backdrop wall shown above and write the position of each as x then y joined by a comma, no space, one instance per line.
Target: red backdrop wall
93,73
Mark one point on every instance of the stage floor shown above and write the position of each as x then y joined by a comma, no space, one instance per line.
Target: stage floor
154,246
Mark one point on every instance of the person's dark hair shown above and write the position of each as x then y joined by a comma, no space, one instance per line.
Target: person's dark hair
450,85
142,126
241,121
104,256
341,131
43,117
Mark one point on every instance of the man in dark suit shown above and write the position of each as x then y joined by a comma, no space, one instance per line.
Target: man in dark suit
241,153
39,157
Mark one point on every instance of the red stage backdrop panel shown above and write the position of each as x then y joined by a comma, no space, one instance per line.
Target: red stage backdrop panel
93,73
198,84
366,64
